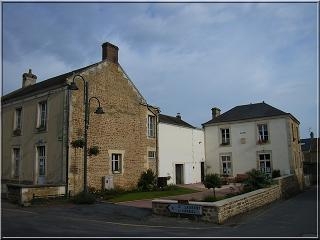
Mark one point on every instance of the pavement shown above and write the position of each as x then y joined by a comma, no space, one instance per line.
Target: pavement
198,196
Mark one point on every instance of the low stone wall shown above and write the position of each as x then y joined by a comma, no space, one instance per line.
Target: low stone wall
23,194
220,211
289,185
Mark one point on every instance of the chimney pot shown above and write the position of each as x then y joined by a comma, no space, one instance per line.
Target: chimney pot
28,79
110,52
178,116
215,112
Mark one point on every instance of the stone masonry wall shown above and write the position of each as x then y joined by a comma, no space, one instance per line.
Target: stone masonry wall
122,129
220,211
289,186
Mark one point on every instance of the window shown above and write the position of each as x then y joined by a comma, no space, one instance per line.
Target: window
151,126
151,155
226,165
16,161
292,130
42,160
265,163
42,115
225,136
17,122
263,135
116,162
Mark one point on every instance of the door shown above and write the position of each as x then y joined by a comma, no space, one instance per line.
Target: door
179,173
202,171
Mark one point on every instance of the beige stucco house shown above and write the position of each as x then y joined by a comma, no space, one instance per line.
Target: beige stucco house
41,120
251,136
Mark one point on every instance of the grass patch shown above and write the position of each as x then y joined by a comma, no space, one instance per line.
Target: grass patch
131,196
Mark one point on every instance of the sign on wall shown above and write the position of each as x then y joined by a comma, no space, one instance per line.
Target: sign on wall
185,209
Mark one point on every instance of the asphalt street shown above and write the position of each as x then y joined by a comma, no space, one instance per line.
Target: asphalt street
295,217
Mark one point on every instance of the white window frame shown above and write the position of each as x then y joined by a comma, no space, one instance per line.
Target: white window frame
151,126
264,163
42,160
16,161
151,155
18,118
42,114
115,159
225,160
263,133
224,139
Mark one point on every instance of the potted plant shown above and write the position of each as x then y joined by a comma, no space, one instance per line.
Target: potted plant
79,143
94,150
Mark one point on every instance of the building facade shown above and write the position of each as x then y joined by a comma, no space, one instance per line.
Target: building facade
41,120
181,151
254,136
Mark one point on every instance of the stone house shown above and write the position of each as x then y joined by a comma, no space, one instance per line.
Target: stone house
310,149
181,150
251,136
41,120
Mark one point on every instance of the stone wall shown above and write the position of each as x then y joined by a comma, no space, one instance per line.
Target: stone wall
289,185
23,194
220,211
121,130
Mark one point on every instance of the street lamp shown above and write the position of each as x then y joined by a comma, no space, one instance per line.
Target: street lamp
99,110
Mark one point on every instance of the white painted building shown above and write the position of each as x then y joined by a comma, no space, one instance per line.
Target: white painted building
251,136
181,151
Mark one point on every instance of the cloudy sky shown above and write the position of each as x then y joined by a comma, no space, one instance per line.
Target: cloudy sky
183,57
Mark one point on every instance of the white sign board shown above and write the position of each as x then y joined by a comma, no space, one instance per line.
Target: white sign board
185,209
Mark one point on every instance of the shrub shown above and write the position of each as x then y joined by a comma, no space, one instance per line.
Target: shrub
256,180
147,181
84,198
212,181
276,173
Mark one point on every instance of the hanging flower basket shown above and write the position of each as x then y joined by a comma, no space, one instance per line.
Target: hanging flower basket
79,143
94,150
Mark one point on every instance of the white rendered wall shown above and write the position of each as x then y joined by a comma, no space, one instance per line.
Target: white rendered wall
244,155
180,145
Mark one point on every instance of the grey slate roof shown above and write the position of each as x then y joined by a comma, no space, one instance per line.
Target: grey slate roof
174,120
250,111
308,144
53,82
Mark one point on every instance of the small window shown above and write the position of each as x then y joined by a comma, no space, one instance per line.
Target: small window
225,136
18,118
263,135
16,161
151,126
151,155
265,163
42,160
116,160
42,116
226,165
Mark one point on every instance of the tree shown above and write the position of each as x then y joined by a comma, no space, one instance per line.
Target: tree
212,181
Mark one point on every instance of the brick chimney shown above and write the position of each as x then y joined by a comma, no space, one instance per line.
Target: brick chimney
215,112
28,79
110,52
178,116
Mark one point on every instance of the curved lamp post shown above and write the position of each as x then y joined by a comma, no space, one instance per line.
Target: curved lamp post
99,110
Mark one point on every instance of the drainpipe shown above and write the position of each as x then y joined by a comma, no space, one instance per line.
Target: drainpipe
67,139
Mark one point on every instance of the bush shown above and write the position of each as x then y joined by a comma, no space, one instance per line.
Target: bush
84,198
256,180
147,181
212,181
276,173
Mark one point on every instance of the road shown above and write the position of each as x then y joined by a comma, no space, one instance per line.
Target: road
295,217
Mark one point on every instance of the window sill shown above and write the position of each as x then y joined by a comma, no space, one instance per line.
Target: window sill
225,144
116,172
